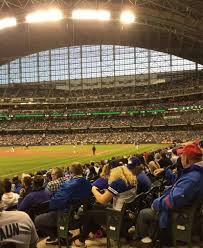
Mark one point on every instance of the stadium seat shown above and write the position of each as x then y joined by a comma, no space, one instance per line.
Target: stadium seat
70,220
183,221
8,245
118,222
39,209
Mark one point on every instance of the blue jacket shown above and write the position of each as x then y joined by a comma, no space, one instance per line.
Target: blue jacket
170,176
77,188
144,183
187,187
33,199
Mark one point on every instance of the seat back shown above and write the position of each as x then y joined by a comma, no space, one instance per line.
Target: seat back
70,220
36,210
182,221
8,245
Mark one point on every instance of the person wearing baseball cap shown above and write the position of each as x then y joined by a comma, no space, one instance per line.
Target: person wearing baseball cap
143,181
186,189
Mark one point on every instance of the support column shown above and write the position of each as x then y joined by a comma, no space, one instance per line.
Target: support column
101,65
81,71
69,68
20,69
149,68
135,78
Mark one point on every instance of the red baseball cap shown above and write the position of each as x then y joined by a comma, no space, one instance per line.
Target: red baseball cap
191,150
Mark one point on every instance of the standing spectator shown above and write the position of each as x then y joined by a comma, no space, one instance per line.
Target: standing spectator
9,199
21,228
94,150
57,175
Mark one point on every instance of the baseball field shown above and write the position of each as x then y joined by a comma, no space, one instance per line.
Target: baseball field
18,160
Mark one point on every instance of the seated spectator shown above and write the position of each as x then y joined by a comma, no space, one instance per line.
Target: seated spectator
26,187
58,179
153,163
21,228
174,156
171,175
34,198
122,188
143,181
17,184
77,188
187,187
164,161
9,199
102,182
92,175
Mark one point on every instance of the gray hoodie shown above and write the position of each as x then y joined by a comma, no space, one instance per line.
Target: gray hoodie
9,199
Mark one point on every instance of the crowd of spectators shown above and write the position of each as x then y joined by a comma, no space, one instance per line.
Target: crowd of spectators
116,180
174,118
104,94
105,137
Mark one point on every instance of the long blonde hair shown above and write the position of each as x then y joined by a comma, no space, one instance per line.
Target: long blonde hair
122,172
105,171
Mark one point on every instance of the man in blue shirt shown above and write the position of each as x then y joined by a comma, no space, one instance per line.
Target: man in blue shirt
76,189
143,181
183,193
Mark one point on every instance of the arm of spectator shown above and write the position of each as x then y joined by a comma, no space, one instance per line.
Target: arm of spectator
181,194
158,172
170,176
102,198
59,201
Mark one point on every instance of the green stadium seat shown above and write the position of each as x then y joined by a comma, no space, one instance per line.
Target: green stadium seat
183,223
70,220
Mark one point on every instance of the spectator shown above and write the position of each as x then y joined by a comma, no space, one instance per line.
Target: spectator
77,188
9,199
164,161
17,184
92,175
122,188
102,182
143,181
58,179
37,196
26,187
22,230
153,163
174,156
187,187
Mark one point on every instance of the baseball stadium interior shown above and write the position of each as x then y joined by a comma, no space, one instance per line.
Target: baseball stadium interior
101,117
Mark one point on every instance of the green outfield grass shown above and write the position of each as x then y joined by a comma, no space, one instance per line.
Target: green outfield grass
36,158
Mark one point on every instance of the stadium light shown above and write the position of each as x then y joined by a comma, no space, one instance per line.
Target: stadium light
91,14
50,15
127,17
8,22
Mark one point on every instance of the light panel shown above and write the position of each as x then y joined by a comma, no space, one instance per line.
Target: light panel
127,17
91,14
8,22
50,15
